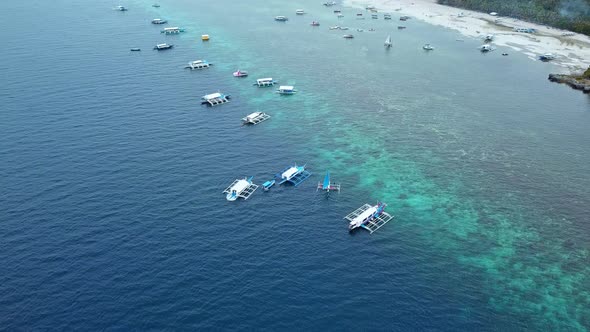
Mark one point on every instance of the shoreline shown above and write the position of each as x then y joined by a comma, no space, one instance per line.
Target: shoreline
572,50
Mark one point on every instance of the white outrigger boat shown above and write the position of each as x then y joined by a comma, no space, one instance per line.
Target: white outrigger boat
427,47
286,90
163,46
172,30
368,217
215,99
255,118
264,82
293,174
198,64
240,188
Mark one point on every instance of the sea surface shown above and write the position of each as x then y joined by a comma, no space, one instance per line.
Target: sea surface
112,215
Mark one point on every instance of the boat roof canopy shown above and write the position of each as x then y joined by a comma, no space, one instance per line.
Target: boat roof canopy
212,96
286,87
264,79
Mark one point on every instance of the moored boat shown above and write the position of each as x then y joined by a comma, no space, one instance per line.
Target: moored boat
315,23
240,73
427,47
135,49
348,36
268,184
485,48
264,82
198,64
286,90
388,43
299,12
205,37
163,46
159,21
281,18
121,8
172,30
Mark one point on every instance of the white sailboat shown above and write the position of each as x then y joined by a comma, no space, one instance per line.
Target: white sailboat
388,42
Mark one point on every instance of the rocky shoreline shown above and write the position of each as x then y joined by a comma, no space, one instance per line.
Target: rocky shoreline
578,82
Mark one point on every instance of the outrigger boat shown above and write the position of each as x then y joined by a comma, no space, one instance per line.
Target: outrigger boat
388,42
215,99
293,174
266,186
159,21
264,82
240,188
255,118
198,64
240,73
327,185
286,90
172,30
163,46
427,47
368,217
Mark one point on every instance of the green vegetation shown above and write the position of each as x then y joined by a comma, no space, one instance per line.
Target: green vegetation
572,15
586,74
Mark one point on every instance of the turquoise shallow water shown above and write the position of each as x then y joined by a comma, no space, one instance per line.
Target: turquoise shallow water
113,216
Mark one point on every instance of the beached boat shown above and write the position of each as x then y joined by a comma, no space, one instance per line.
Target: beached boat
281,18
198,64
159,21
388,43
163,46
255,118
205,37
240,73
172,30
368,217
315,24
264,82
240,188
547,57
300,12
427,47
266,185
348,36
286,90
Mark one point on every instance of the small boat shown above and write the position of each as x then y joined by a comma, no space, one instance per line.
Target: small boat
300,12
293,174
281,18
163,46
204,37
371,29
400,27
485,48
255,118
335,28
156,5
348,36
198,64
359,14
329,4
159,21
343,28
240,188
547,57
121,8
388,43
387,16
504,54
286,90
240,73
366,215
404,18
264,82
135,49
427,47
360,30
266,186
172,30
337,11
339,15
488,38
315,24
374,16
328,185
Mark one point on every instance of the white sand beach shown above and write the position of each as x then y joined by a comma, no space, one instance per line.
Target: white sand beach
571,49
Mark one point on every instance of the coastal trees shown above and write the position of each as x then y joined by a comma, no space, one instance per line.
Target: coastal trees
572,15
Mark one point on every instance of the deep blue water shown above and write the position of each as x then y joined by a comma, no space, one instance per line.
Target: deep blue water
111,211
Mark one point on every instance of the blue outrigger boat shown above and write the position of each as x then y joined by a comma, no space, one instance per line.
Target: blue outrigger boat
294,174
327,185
266,186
